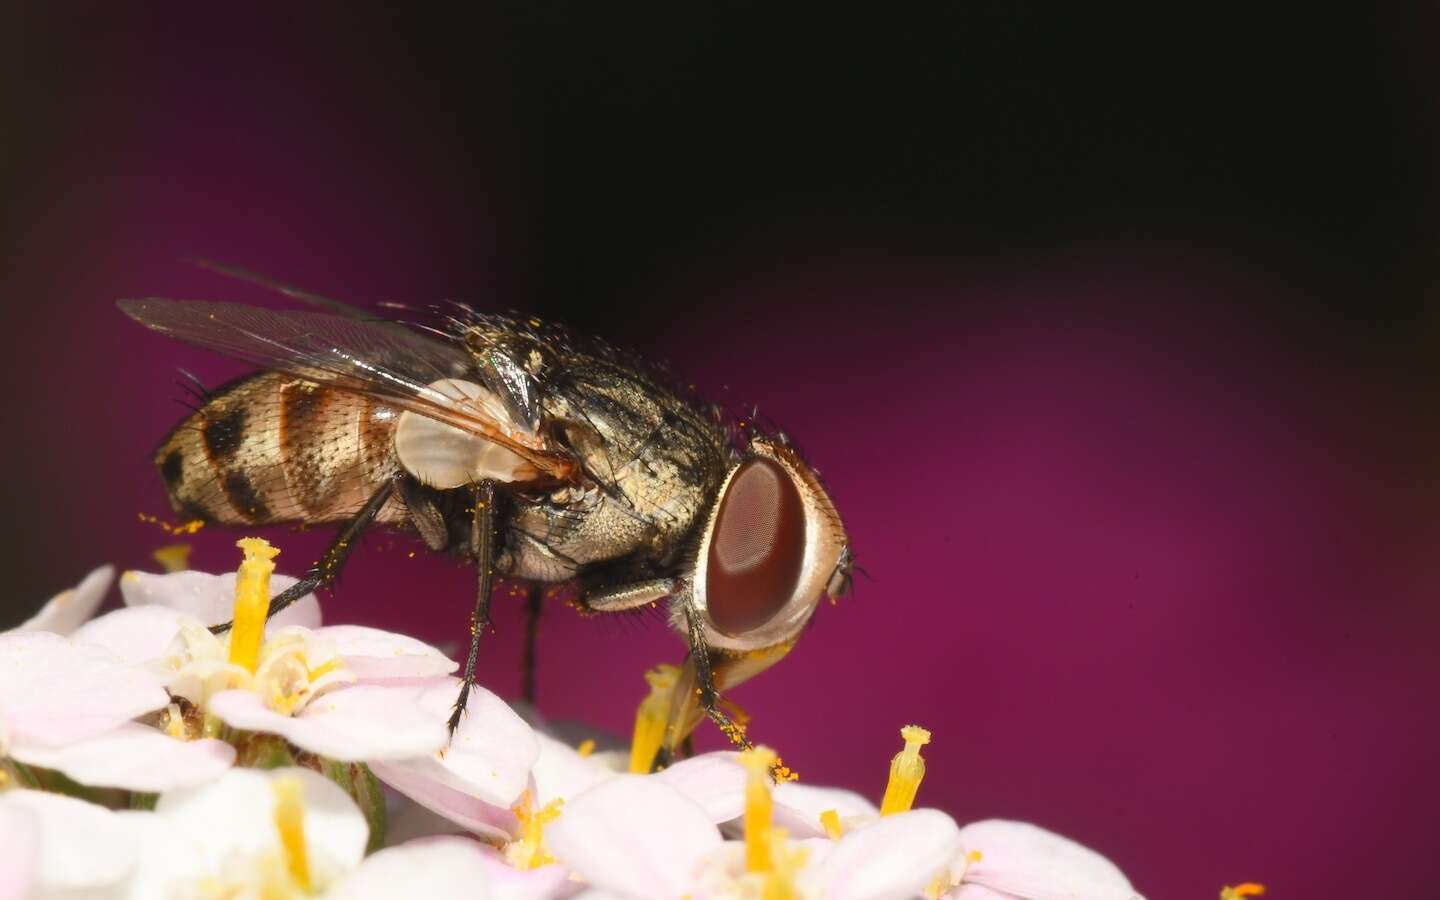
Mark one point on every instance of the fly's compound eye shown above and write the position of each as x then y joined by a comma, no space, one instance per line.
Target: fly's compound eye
768,552
757,548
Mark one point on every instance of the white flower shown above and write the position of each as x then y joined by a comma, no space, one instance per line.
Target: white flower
70,609
292,833
55,692
637,836
57,846
211,598
1002,860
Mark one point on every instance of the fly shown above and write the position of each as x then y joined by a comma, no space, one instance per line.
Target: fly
506,441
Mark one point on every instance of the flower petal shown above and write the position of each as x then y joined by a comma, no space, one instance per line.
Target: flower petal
135,634
211,598
634,835
560,773
1024,860
714,780
485,819
375,655
353,724
20,836
232,820
70,609
81,846
430,867
134,757
54,691
798,808
491,753
897,856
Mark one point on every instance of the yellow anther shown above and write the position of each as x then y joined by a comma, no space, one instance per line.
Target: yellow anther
759,809
788,859
830,821
1239,891
586,748
651,717
173,557
252,601
907,769
290,823
528,851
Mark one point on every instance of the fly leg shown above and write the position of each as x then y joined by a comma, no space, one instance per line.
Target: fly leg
697,691
532,632
482,547
324,572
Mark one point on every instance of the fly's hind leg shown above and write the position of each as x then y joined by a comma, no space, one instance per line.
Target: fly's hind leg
482,547
328,568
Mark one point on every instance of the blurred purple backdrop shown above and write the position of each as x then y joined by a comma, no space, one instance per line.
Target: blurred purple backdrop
1156,571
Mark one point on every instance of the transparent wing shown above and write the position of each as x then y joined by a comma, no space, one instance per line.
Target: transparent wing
378,358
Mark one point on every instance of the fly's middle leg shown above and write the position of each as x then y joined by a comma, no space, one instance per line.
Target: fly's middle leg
482,547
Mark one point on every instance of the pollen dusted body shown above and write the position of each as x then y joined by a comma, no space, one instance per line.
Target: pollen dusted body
537,455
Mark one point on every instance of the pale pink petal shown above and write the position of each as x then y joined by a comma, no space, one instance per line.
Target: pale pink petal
375,655
137,634
70,609
81,847
491,753
560,772
634,835
470,812
200,831
134,757
353,724
1022,860
798,807
211,598
894,857
20,836
714,780
54,691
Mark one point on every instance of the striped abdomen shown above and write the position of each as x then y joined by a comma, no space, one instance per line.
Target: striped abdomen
276,448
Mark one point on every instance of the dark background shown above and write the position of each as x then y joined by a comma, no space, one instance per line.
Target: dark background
1110,329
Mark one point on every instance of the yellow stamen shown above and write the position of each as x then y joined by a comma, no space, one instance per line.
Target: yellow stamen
651,717
173,557
252,601
759,809
528,852
830,821
779,883
906,771
586,748
1239,891
290,822
174,722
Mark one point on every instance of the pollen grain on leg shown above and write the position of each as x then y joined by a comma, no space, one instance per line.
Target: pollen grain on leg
907,770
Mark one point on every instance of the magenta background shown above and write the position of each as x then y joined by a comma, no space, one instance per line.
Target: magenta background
1157,575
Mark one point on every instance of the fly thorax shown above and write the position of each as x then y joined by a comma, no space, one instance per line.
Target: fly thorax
443,456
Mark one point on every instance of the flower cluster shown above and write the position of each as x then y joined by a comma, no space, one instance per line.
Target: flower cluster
142,756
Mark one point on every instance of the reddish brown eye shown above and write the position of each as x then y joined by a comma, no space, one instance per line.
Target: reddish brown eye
757,548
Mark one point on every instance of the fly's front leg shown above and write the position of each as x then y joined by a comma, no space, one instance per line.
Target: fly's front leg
482,547
324,572
696,694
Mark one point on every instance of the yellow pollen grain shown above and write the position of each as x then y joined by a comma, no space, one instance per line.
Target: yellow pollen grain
252,602
830,821
1239,891
173,557
290,823
650,718
907,770
529,851
586,748
759,809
